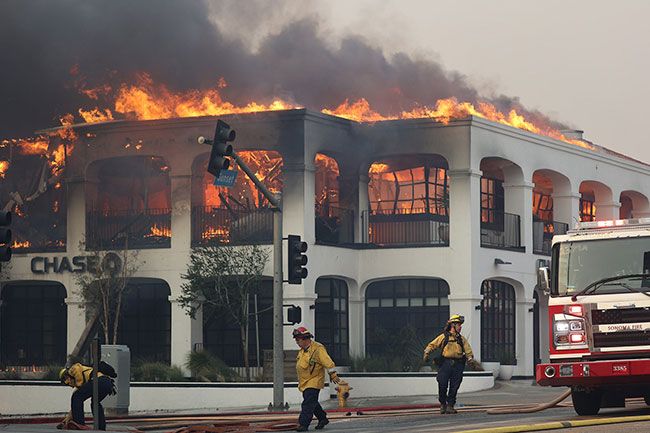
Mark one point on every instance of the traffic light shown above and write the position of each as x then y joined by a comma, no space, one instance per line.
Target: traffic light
294,315
5,236
220,148
297,260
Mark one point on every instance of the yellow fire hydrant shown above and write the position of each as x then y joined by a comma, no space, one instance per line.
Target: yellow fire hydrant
343,392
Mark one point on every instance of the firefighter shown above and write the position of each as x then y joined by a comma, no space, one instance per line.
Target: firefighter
80,377
454,351
311,362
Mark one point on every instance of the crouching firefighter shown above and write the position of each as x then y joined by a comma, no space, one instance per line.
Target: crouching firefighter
311,362
450,351
80,377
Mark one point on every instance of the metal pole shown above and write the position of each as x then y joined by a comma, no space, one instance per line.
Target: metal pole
268,194
278,343
95,383
257,333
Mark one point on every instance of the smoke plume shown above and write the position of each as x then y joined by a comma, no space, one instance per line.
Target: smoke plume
49,49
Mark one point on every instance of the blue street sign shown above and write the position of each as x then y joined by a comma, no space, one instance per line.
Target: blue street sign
226,178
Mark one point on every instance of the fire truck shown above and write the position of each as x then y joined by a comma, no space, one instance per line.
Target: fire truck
599,314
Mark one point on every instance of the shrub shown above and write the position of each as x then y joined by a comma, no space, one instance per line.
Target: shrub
208,367
156,372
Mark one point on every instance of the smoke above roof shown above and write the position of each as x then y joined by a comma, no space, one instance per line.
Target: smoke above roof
51,49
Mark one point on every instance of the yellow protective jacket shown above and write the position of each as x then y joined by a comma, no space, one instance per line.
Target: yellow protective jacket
78,374
310,366
453,349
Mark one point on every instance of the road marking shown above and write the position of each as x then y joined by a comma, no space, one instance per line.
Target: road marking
559,424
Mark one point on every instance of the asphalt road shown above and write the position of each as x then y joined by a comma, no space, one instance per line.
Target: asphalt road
469,418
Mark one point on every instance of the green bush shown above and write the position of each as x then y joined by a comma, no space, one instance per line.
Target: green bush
401,351
156,372
207,367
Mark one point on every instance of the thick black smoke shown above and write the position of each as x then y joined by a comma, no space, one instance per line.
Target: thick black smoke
42,41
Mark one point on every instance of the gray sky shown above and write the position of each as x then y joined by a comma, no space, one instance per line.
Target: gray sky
580,62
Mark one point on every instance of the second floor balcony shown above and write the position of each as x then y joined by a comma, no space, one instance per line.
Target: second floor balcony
229,226
412,227
501,230
543,232
128,229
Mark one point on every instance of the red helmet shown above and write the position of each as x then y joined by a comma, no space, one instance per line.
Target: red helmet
302,332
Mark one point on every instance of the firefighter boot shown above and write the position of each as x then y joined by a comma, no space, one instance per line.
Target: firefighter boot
443,409
450,409
322,423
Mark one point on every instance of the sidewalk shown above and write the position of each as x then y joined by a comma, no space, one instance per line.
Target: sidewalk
504,392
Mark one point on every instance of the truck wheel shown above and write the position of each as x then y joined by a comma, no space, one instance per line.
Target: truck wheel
586,402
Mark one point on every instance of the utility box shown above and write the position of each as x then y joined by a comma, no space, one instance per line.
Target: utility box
119,357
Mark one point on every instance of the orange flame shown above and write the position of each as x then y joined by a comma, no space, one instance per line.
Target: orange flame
17,245
4,165
156,230
148,100
449,109
359,111
222,233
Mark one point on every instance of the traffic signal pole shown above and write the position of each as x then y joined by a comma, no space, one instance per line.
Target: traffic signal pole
218,161
278,295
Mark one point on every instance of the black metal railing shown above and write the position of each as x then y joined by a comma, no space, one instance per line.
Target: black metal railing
334,225
543,232
402,227
149,228
224,226
503,231
38,235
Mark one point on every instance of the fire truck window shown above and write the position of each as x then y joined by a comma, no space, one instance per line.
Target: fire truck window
582,263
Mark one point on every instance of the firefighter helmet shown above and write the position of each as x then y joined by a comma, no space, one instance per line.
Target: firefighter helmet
302,332
456,318
62,374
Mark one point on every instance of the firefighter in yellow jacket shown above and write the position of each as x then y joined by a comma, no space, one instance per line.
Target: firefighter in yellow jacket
455,351
311,362
80,377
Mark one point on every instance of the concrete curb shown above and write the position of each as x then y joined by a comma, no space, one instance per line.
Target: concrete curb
560,424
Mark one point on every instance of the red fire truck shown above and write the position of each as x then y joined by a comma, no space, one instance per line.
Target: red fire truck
599,314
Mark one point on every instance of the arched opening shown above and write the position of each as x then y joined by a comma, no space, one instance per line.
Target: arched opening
39,220
402,315
145,324
499,228
634,205
222,336
128,203
239,214
332,317
596,202
409,201
334,225
33,323
498,322
545,226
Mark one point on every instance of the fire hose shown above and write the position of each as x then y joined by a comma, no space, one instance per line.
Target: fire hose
530,408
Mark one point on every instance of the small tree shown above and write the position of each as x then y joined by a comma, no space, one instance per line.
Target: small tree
103,287
224,277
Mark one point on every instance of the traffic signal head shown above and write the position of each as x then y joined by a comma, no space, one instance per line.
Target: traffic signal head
296,260
294,314
5,236
220,148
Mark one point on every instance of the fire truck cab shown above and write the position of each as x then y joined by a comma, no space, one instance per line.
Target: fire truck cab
599,314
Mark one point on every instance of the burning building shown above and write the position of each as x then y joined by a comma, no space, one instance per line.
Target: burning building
408,220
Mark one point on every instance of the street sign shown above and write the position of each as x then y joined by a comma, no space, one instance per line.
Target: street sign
226,178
